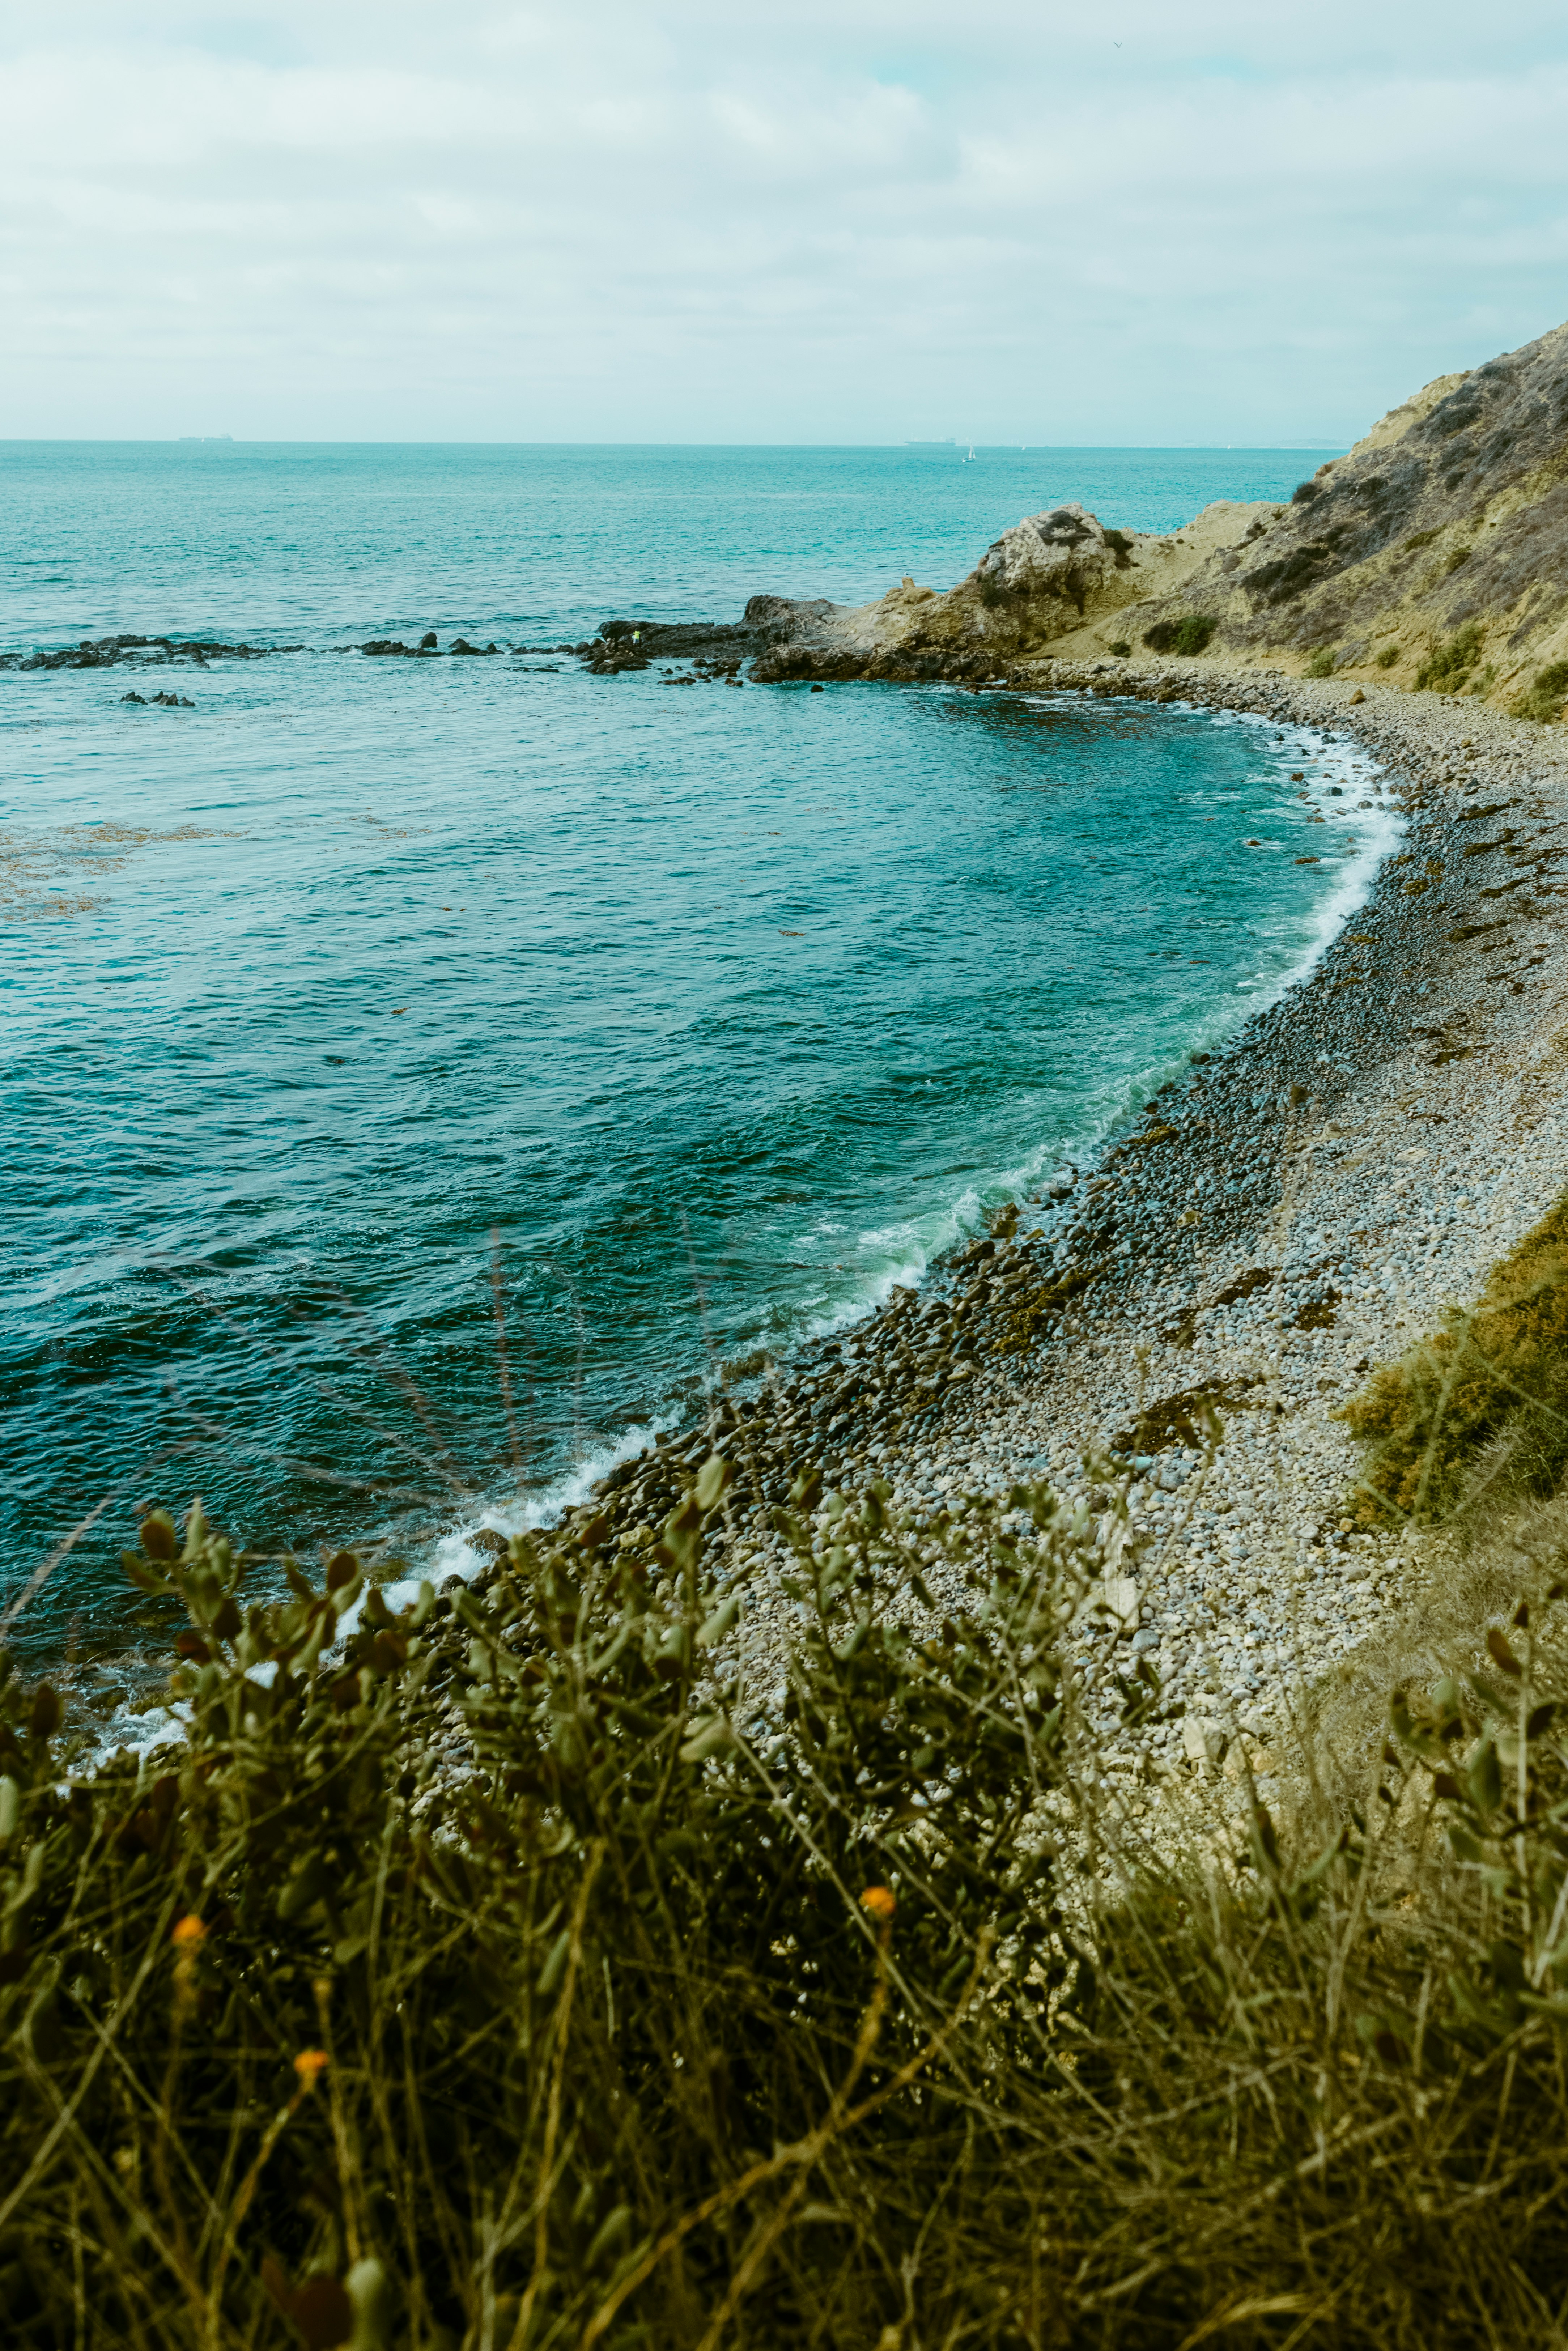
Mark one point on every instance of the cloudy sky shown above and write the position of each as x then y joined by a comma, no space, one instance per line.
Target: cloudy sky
827,220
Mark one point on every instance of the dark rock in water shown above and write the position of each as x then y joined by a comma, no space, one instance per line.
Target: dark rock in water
135,697
478,652
427,643
392,645
608,660
172,702
711,646
104,652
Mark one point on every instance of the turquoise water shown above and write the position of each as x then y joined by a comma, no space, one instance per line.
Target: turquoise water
721,1011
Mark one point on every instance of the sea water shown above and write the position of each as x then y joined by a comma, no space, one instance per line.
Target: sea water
423,1080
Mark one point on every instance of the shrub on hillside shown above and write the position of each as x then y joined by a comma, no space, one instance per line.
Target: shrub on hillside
1322,663
1447,666
1544,696
1190,634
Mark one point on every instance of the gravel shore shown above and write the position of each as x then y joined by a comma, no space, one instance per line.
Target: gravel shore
1306,1205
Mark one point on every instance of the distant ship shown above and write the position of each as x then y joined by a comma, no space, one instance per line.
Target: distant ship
205,436
948,443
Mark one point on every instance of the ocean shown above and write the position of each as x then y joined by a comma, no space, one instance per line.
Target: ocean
423,1080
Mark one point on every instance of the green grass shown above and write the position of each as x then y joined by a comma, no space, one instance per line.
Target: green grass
848,2011
1322,663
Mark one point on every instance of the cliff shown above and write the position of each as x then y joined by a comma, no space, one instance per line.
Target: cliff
1052,577
1434,555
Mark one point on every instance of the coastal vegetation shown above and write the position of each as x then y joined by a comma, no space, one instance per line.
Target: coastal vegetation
1489,1388
1447,666
1544,696
855,2010
1190,634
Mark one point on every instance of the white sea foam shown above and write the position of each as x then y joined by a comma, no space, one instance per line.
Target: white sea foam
454,1553
899,1253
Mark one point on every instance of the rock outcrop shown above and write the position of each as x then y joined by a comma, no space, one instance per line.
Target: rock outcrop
1434,555
1042,581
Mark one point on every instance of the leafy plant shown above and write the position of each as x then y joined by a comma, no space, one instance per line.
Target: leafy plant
293,1990
499,1973
1386,658
1190,634
1322,663
1121,648
1544,696
1447,666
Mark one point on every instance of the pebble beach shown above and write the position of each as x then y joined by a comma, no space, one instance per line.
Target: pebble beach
1306,1205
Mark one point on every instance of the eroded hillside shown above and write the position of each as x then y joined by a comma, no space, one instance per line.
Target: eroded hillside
1434,555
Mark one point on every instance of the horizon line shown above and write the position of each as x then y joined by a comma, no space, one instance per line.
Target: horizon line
1029,448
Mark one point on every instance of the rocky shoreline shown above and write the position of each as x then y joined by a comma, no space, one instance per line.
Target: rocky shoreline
1306,1205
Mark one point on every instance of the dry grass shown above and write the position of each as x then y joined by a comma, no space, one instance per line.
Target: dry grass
1480,1408
846,2013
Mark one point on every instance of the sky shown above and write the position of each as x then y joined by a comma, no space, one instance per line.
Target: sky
813,221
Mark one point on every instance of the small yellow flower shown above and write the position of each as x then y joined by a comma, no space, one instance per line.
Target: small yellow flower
880,1902
310,2064
188,1932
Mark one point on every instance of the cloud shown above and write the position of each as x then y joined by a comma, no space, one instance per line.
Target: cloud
853,222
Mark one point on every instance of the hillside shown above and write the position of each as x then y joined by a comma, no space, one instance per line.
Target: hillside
1434,555
1436,552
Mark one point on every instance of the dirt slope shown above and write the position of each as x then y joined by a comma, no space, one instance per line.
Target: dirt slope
1440,545
1434,555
